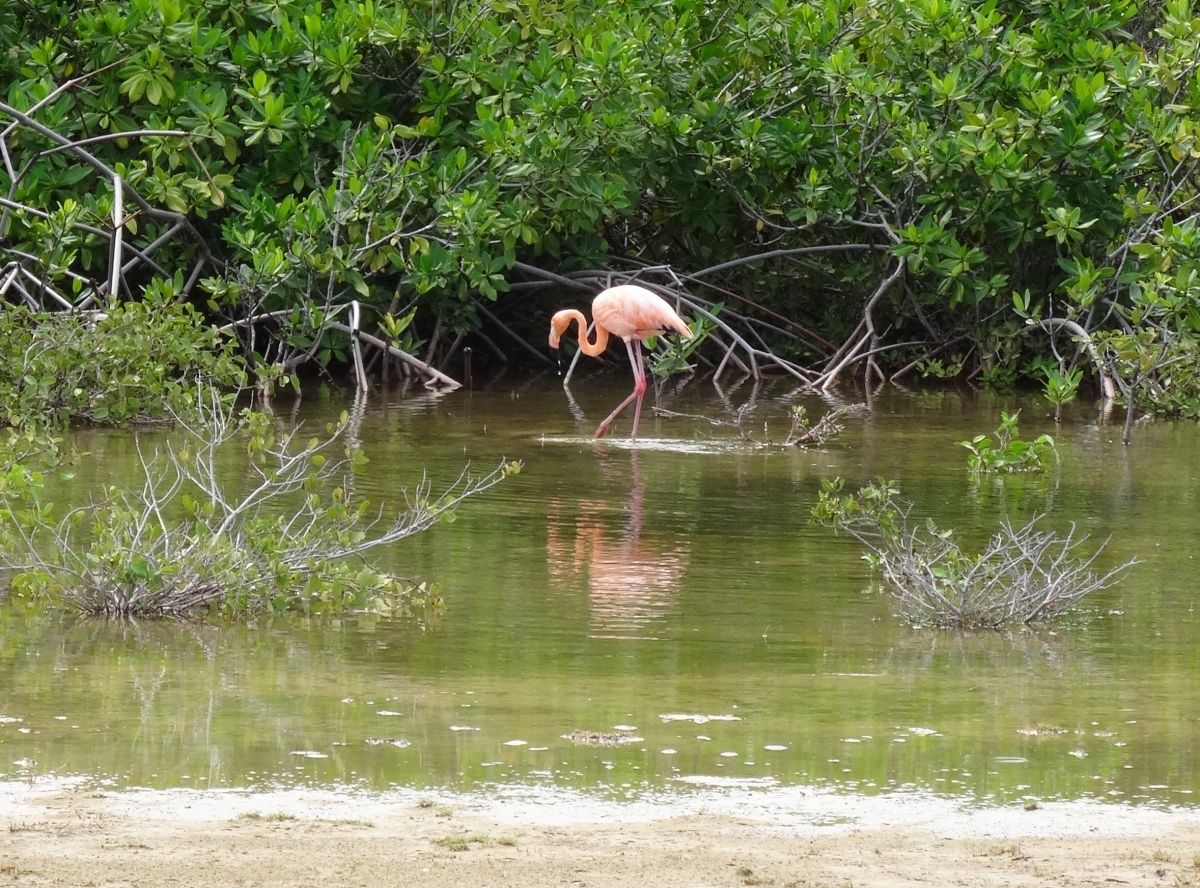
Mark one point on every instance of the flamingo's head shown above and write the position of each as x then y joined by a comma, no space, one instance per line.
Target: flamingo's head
558,326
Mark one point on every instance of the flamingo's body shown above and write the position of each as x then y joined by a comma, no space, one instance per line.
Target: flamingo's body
632,313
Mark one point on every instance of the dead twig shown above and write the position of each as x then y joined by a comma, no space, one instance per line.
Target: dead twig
1022,575
800,434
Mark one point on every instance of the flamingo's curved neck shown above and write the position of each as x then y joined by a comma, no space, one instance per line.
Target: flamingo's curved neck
591,349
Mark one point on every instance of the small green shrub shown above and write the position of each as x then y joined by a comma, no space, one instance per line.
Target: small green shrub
133,362
26,455
463,843
1009,453
1060,386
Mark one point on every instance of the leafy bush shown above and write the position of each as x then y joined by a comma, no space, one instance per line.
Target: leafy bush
183,543
1024,574
26,455
131,363
1155,370
1009,453
913,164
1060,387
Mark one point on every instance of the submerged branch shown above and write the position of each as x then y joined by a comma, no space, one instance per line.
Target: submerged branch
801,432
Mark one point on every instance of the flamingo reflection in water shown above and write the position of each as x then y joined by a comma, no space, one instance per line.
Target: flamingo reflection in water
632,576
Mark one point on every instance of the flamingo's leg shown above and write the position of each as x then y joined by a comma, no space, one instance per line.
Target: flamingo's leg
603,427
634,347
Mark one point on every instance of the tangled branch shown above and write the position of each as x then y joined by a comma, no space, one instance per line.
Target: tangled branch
185,540
1023,575
801,432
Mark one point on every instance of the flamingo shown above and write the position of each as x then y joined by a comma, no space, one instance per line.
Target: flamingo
634,314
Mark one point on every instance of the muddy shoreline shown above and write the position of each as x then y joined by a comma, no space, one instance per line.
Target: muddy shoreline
78,835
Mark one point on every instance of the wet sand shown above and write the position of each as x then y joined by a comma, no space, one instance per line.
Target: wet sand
64,835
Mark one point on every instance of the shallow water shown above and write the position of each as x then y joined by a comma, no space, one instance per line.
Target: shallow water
674,590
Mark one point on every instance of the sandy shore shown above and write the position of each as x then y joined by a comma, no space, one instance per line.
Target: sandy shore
80,836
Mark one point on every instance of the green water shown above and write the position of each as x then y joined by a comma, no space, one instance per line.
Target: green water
677,590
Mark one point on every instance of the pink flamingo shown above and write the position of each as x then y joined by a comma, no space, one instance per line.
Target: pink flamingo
634,314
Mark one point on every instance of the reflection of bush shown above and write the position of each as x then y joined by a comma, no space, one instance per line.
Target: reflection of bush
803,432
1023,574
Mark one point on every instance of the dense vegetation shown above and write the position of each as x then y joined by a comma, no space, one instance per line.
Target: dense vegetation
918,182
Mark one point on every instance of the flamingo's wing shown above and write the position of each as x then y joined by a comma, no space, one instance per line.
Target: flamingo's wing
633,312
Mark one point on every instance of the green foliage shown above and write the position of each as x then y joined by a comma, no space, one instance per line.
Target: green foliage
998,375
130,363
873,506
26,455
343,150
674,358
1156,370
182,544
1061,386
937,368
399,332
1008,453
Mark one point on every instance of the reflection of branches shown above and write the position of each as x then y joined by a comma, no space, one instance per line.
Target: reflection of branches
1008,652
